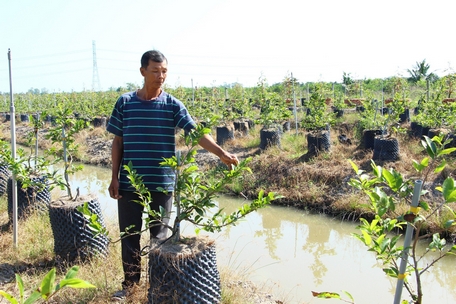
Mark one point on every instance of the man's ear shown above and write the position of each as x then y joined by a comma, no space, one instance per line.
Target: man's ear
142,70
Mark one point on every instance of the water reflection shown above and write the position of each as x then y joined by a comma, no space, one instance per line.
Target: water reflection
293,252
271,231
297,252
318,245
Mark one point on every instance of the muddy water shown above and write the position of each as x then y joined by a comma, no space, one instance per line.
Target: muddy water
291,253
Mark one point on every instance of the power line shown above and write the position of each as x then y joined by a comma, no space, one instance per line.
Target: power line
50,64
50,73
95,77
51,55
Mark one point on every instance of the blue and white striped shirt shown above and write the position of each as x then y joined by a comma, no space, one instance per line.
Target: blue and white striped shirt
147,128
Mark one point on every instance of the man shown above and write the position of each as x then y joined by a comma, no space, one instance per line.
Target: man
143,123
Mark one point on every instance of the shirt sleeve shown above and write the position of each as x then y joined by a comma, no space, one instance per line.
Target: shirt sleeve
182,117
115,125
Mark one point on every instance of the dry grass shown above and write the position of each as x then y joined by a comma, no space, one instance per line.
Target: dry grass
320,183
34,257
236,289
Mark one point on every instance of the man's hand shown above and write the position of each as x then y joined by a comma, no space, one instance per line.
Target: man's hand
208,143
114,189
229,159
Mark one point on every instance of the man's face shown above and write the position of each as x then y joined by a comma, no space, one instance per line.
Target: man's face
155,73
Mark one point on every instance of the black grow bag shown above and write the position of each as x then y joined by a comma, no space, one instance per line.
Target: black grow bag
224,134
99,122
24,118
451,142
241,126
360,109
33,197
338,112
405,116
184,277
5,173
318,141
425,131
369,137
270,137
386,148
437,132
416,130
72,236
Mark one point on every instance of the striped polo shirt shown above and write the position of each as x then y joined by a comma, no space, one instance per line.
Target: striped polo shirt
148,132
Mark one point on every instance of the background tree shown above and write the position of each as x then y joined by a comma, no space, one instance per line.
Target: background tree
421,71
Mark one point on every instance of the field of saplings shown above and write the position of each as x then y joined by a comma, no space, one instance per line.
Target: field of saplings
380,103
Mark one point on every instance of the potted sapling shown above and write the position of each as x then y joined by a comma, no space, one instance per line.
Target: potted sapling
184,267
31,172
72,234
386,144
317,122
273,112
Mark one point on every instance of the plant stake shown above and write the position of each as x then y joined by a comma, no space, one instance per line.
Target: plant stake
407,241
295,110
13,153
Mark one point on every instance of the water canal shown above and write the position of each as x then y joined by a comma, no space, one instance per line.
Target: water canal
291,253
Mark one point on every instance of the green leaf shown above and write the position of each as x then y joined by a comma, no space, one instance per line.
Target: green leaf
75,283
349,295
430,147
354,166
437,243
47,285
440,167
418,167
367,238
424,205
70,274
8,297
377,170
326,295
35,296
393,179
448,190
392,272
20,284
447,151
448,224
389,177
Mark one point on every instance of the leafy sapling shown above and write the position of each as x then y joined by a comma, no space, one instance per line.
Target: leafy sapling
194,197
387,190
62,135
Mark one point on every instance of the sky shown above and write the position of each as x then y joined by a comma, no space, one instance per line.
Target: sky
219,42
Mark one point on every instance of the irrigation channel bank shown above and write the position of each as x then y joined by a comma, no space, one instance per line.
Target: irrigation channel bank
291,253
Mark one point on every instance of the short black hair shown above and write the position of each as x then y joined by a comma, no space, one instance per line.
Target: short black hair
154,55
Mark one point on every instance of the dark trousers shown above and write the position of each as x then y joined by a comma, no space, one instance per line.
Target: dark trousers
130,215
